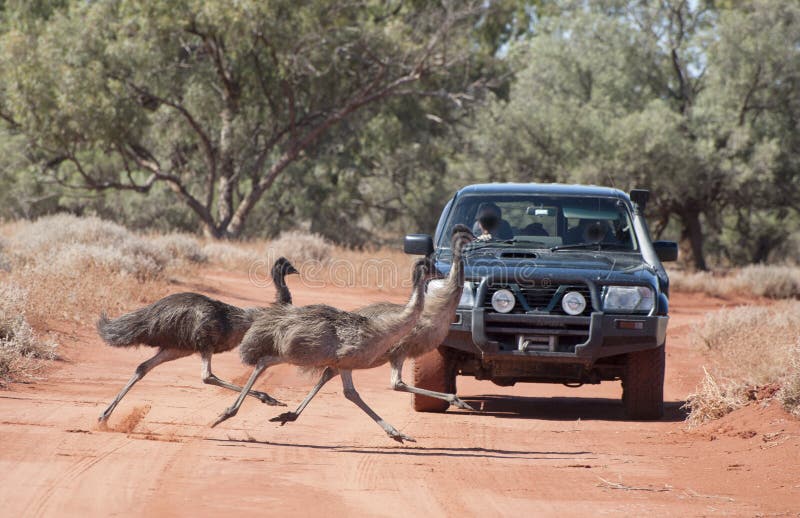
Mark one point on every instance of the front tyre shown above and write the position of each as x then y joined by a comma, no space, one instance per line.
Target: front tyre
433,371
643,384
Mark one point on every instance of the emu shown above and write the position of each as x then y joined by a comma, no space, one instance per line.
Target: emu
429,332
321,336
182,324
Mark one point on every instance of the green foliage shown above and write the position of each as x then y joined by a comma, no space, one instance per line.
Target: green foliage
357,121
698,105
214,100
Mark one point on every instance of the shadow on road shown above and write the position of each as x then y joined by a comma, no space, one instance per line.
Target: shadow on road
562,408
486,453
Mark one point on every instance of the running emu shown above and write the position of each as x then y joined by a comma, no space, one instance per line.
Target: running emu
427,335
186,323
321,336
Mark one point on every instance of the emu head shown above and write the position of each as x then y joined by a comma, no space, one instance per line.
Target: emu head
424,270
461,236
282,267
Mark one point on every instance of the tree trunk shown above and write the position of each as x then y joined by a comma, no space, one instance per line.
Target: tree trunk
226,169
693,231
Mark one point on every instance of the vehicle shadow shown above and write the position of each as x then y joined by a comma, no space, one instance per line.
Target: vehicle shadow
562,408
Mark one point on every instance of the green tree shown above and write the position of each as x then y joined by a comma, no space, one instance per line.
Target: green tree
694,103
213,99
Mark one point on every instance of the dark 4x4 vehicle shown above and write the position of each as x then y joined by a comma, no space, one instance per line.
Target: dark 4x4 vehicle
569,289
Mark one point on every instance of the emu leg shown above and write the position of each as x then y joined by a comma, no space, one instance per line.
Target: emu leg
287,417
210,379
399,385
162,356
351,394
261,366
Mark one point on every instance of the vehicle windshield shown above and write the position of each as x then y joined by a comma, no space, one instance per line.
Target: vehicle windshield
545,222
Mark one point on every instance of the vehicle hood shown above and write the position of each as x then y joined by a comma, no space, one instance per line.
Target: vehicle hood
565,265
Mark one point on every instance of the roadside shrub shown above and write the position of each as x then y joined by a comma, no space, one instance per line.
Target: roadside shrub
753,352
20,349
239,256
64,244
751,343
789,393
183,247
698,282
73,267
775,282
300,247
4,264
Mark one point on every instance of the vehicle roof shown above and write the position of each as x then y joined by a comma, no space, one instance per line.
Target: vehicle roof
543,188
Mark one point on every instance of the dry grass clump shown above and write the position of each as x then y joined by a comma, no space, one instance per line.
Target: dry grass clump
70,243
73,267
300,247
182,247
749,348
21,351
239,256
775,282
698,282
4,265
789,393
713,400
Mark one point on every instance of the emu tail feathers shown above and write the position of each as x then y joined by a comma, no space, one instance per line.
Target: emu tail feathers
125,331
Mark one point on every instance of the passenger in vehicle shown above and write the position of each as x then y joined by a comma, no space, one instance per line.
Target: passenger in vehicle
590,231
535,229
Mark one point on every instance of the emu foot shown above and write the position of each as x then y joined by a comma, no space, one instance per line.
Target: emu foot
286,417
105,415
460,403
400,437
266,398
224,416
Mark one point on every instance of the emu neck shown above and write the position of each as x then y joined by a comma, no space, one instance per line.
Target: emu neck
396,325
282,293
444,303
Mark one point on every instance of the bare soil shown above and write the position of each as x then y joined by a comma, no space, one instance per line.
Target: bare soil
533,450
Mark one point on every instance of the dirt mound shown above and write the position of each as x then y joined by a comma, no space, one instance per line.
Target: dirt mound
764,419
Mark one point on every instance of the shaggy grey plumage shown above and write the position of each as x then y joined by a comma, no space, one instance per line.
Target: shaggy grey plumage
185,323
429,332
321,336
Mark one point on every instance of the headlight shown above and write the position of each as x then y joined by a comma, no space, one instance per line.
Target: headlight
628,298
503,301
573,303
435,286
467,296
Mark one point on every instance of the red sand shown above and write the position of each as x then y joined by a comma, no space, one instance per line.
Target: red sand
536,450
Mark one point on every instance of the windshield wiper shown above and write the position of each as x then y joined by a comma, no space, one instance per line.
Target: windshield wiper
590,246
477,245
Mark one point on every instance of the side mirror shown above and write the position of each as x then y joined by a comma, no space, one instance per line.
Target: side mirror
640,197
418,244
666,250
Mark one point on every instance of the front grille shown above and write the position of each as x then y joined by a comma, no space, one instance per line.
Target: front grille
539,299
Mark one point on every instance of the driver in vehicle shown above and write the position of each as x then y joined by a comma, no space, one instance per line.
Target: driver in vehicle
490,225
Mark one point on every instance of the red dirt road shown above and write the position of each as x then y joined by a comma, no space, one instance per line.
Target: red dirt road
535,450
